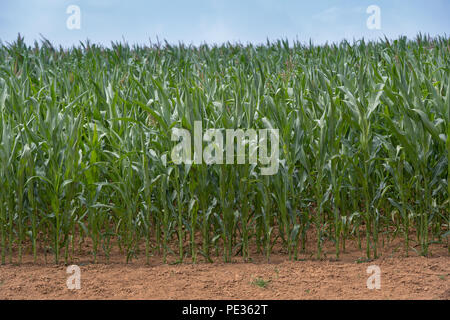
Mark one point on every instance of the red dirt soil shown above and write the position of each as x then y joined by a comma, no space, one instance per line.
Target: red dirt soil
413,277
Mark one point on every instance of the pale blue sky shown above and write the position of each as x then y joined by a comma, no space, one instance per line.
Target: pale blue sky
218,21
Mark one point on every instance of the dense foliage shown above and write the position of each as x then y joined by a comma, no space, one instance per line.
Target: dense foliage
85,142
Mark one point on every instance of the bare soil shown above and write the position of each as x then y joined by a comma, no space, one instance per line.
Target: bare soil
413,277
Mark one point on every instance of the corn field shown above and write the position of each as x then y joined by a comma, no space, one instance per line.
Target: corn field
85,142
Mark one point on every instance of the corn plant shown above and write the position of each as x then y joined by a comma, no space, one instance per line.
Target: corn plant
86,142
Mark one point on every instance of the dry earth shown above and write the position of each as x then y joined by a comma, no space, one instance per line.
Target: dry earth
409,278
413,277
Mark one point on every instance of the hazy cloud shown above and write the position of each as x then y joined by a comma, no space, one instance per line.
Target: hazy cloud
218,21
